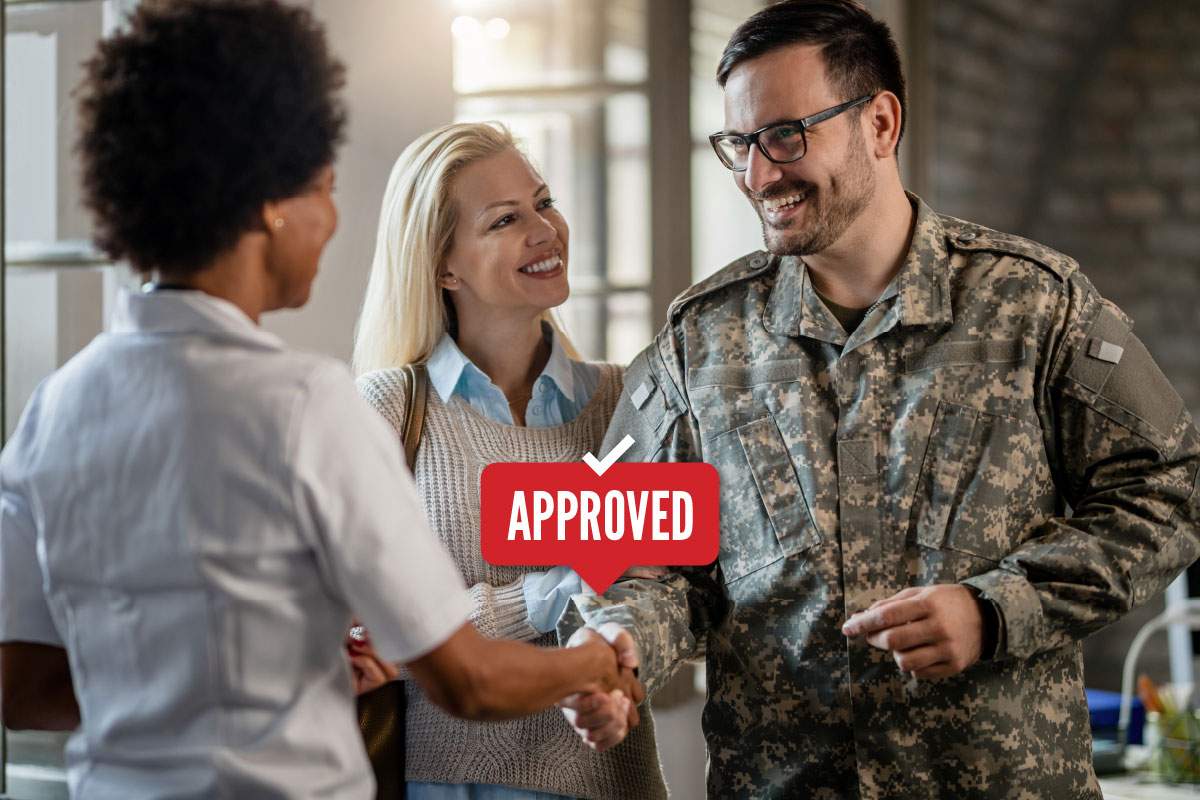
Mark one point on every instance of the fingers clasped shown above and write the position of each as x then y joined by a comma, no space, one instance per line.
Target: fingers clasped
931,631
604,719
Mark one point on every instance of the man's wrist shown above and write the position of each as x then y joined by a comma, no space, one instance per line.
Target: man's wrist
989,633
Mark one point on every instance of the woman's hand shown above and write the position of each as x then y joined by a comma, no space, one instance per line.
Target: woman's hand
369,670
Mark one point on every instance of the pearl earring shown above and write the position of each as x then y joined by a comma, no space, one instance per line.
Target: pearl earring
278,222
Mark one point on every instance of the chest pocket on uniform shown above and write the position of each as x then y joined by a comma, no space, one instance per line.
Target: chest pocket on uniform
977,469
764,514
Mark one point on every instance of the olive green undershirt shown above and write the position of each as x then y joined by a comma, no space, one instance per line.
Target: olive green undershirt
850,318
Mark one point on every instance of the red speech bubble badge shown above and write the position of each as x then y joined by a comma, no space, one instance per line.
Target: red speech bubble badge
598,517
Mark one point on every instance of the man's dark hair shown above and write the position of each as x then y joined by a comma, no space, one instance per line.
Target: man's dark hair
194,116
860,54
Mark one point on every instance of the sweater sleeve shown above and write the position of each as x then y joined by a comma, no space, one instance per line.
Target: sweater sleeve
386,392
501,612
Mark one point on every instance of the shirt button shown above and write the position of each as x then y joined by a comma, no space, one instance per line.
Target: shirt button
969,236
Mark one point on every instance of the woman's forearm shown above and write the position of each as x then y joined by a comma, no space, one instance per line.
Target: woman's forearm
501,611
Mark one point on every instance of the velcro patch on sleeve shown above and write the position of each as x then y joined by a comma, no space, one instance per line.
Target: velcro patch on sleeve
1106,351
1089,369
1124,383
642,393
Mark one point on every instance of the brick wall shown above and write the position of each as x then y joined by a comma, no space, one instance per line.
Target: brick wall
1000,69
1077,123
1124,195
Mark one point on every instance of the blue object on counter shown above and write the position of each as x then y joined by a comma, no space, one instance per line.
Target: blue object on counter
1104,708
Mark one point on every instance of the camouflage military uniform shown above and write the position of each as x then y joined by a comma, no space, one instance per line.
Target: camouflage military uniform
938,443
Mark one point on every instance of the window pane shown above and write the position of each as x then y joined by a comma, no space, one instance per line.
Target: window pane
713,22
628,325
724,226
626,121
517,43
583,317
43,46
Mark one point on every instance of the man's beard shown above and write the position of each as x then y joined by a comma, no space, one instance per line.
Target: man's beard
826,218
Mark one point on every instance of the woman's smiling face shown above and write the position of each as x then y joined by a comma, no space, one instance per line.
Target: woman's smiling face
509,249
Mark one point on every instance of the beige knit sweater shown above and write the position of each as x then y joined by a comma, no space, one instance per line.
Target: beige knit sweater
540,752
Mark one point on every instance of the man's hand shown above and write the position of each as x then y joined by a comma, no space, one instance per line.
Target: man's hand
603,720
931,631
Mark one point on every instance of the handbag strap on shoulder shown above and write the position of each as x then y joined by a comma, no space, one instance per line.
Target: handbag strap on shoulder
414,418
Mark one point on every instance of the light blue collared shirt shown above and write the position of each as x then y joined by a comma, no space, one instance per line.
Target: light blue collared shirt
559,393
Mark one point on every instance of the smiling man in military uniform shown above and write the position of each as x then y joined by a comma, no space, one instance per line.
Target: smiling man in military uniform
901,405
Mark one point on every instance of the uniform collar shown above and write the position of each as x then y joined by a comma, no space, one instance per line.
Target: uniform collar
447,365
187,312
793,309
922,286
925,274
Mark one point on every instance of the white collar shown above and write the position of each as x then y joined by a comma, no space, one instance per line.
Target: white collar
187,311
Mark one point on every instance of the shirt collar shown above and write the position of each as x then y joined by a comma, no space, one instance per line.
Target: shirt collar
924,277
558,368
447,365
922,286
176,311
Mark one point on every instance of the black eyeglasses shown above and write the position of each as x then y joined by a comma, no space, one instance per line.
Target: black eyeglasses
781,142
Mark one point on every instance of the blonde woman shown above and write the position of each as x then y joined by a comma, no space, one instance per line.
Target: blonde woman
470,258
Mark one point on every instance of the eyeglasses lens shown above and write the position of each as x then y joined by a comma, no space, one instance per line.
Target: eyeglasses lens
783,142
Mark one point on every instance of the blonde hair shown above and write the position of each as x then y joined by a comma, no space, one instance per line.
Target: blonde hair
404,312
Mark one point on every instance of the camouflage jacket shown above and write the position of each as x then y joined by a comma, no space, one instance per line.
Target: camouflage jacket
990,387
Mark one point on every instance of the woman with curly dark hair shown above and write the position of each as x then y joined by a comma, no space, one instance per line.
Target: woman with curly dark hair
188,510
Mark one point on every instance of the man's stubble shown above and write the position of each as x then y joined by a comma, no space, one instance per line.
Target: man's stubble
831,211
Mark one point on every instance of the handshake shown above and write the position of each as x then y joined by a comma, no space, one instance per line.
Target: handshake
593,679
603,719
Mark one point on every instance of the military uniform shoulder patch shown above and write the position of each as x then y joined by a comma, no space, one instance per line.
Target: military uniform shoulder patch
745,267
963,235
1116,375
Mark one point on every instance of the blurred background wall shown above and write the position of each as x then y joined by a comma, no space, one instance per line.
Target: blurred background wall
1073,122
